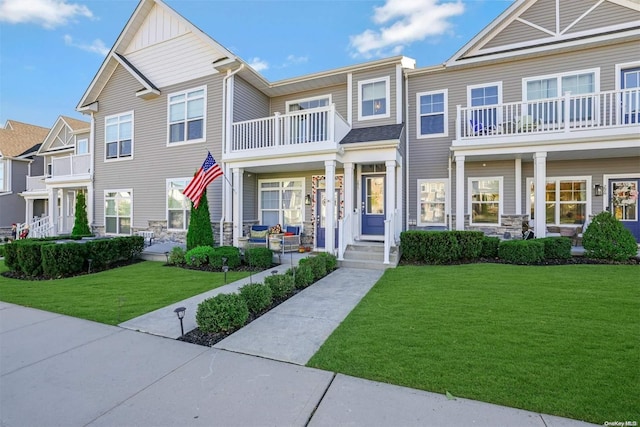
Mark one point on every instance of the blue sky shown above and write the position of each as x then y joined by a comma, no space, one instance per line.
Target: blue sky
51,49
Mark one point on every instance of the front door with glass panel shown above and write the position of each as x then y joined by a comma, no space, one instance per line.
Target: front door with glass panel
373,205
321,214
623,203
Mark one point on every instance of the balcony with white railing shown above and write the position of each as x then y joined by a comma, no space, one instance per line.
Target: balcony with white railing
75,166
614,112
295,133
35,183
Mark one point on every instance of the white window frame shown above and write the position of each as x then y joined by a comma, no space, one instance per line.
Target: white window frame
188,208
122,190
419,223
204,117
5,175
500,180
86,141
482,85
620,68
312,98
119,158
419,134
556,217
387,114
558,77
302,188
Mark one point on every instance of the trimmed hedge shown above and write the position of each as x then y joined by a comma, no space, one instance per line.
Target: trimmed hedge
281,285
30,257
302,275
522,252
231,253
556,247
62,260
259,257
257,296
222,313
331,261
490,247
607,238
199,256
431,247
470,243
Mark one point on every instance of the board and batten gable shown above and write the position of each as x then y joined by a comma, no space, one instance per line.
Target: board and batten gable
248,102
389,72
153,161
338,94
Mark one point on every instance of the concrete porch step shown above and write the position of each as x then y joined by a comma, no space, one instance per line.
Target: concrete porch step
369,255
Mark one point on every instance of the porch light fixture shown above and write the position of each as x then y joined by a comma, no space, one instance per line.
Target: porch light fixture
597,190
307,200
180,313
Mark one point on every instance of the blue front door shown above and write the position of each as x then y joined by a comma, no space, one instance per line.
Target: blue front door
623,203
321,215
373,205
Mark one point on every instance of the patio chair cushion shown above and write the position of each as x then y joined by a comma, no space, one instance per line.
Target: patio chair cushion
259,234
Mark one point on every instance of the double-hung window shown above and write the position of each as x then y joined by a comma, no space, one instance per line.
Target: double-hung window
628,80
117,211
3,176
187,112
281,201
305,124
432,114
566,200
482,99
374,98
119,136
485,200
432,202
178,206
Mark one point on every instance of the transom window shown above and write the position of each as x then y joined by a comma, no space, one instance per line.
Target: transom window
281,201
178,206
119,136
432,202
485,200
566,200
374,98
308,103
117,212
432,114
187,115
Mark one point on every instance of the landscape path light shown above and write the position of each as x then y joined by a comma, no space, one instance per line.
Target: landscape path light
180,313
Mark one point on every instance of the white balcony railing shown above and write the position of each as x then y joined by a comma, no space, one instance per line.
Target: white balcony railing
36,183
72,165
319,125
568,113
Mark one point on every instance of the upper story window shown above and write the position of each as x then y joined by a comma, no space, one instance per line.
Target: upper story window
119,136
432,114
374,99
187,111
82,146
3,178
308,103
628,79
479,97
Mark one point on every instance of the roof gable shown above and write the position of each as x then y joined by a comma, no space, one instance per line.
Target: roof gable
16,138
528,24
62,134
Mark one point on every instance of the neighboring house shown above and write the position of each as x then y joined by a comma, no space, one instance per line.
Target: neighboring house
348,150
50,194
19,143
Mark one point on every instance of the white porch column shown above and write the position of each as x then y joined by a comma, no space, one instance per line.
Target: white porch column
330,194
237,204
518,183
399,205
29,211
349,186
228,194
540,182
460,185
53,209
390,197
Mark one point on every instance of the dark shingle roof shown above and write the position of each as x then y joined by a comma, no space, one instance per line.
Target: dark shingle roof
374,133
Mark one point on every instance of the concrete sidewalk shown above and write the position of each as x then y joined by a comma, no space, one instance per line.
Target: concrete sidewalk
62,371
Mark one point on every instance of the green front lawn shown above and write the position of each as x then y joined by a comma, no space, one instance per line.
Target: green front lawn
113,296
562,340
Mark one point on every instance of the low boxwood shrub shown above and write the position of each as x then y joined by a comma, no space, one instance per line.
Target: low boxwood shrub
259,257
302,275
556,247
30,257
490,247
318,265
2,250
257,296
607,238
330,260
177,256
411,245
230,252
199,256
11,256
63,260
431,247
222,313
470,243
281,285
522,252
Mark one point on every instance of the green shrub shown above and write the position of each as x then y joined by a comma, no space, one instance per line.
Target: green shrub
431,247
231,253
222,313
470,243
521,251
281,285
257,296
199,256
302,275
30,257
259,257
11,256
607,238
331,261
2,250
81,224
556,247
200,232
63,260
490,247
177,256
318,265
103,253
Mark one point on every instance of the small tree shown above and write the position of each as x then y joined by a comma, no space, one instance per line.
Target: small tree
608,238
81,224
200,232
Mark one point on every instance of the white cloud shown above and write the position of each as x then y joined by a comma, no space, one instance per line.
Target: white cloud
47,13
294,60
97,46
259,64
402,22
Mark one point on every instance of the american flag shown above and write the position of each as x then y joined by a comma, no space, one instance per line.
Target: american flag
209,171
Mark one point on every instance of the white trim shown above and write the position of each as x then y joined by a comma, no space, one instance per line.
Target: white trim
556,180
483,85
399,98
623,66
311,98
166,202
537,27
559,76
204,117
119,157
568,27
518,183
350,99
420,135
387,114
104,210
446,202
500,180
